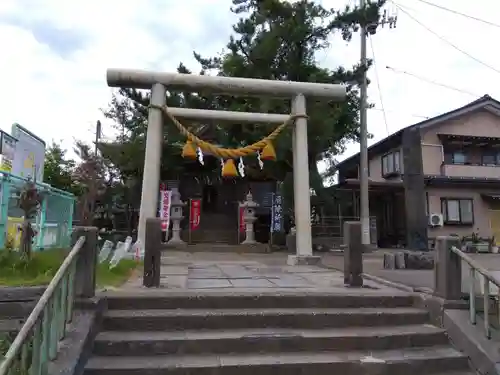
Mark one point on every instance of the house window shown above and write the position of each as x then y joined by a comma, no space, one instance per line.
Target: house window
458,157
397,162
391,163
457,211
490,158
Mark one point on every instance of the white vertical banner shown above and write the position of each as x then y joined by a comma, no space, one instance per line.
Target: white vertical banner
165,204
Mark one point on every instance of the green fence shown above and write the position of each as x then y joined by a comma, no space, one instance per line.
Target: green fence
38,341
53,223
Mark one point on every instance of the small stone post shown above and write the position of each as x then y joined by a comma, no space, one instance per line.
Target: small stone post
152,253
249,218
86,262
353,254
447,269
176,215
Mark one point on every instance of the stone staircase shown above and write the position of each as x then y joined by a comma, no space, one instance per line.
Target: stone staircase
15,306
231,248
216,228
283,334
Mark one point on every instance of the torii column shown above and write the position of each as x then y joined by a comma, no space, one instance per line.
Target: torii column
301,191
152,161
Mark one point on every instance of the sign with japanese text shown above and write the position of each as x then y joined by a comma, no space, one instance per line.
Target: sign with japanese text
276,213
195,213
165,203
7,152
29,158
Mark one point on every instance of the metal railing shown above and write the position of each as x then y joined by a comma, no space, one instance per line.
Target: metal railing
37,342
474,269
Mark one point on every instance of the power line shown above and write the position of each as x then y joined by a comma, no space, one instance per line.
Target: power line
378,86
400,112
461,14
443,39
427,80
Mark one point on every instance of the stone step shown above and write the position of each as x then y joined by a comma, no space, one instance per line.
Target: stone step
218,221
10,325
16,309
414,361
214,236
267,340
231,300
228,247
191,319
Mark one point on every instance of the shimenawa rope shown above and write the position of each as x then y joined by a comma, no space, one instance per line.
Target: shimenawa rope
228,153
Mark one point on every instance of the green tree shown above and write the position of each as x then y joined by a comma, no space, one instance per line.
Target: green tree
90,176
279,40
58,169
276,40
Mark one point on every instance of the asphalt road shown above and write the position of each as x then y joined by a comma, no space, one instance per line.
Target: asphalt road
373,265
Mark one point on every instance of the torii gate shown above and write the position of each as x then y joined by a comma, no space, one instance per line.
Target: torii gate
297,91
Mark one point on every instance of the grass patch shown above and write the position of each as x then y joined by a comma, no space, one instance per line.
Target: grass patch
41,268
5,342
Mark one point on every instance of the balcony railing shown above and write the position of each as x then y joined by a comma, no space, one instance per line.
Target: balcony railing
470,170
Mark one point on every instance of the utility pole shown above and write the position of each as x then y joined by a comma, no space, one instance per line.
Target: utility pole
365,31
97,135
363,143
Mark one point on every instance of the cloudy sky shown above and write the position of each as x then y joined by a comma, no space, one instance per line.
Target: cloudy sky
55,54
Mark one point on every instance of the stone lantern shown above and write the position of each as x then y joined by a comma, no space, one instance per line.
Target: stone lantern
176,215
249,218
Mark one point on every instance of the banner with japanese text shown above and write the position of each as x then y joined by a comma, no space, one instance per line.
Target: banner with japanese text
165,204
241,219
276,213
195,213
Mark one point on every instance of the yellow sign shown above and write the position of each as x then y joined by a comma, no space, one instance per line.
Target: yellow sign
29,162
13,232
5,165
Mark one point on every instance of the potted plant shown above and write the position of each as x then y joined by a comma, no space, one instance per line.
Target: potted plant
471,242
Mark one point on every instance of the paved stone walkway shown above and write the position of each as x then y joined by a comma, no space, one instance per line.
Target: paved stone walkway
217,271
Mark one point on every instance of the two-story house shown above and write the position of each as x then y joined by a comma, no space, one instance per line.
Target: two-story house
446,167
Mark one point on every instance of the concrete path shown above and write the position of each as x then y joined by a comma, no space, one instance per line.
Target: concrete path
232,272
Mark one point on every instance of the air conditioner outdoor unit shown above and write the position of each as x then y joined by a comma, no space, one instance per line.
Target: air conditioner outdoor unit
436,220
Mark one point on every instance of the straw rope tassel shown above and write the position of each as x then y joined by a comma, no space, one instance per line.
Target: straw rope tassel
229,169
189,151
268,152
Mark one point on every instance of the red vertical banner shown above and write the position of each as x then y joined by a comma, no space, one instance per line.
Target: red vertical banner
195,213
241,220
